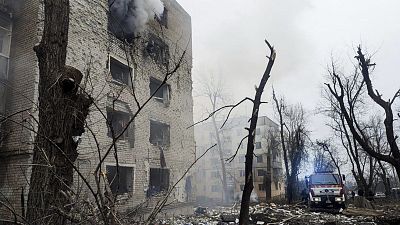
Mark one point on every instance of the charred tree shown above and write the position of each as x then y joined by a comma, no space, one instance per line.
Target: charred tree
248,185
63,109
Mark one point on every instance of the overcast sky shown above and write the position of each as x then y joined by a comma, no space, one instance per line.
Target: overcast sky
228,42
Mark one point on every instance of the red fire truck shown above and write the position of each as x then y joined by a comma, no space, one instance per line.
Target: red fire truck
326,190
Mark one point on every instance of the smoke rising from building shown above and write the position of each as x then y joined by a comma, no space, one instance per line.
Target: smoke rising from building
128,17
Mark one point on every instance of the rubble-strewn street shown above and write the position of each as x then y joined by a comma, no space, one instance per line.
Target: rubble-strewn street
293,215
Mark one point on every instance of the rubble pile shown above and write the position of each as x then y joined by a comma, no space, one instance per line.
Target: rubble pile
272,214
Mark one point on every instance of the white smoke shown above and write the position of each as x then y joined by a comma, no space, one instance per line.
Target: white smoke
131,16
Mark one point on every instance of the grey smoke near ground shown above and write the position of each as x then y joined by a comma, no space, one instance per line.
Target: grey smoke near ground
129,17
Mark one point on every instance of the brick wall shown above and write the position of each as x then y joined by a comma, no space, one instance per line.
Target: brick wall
89,49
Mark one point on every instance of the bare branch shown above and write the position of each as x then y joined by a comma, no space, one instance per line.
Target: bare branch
230,159
219,109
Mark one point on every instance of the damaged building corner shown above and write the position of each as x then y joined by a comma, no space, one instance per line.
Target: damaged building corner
156,148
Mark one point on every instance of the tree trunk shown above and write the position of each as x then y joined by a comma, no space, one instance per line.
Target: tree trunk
248,185
221,156
62,113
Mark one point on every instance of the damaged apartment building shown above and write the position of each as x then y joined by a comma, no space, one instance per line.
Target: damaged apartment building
118,51
267,166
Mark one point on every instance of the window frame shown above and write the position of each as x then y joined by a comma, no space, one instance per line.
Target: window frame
259,159
121,108
164,143
165,90
127,165
131,75
258,145
162,188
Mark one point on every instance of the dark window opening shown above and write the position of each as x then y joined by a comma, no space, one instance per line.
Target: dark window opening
258,145
121,182
119,120
159,180
163,19
120,72
159,133
241,187
259,159
261,172
163,93
261,187
158,50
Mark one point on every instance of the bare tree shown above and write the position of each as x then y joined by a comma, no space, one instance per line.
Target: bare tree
215,93
293,135
248,185
338,89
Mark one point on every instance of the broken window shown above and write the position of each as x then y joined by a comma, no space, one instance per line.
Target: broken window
121,182
121,72
259,159
163,92
159,133
258,145
260,172
261,187
158,50
163,19
119,121
159,180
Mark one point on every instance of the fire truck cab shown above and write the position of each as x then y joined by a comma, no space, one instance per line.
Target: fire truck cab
326,190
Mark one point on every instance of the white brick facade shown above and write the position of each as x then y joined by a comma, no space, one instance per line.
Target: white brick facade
90,47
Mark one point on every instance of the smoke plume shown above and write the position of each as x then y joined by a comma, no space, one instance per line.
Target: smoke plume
128,17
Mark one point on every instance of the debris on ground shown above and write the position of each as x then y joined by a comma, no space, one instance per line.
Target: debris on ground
273,214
